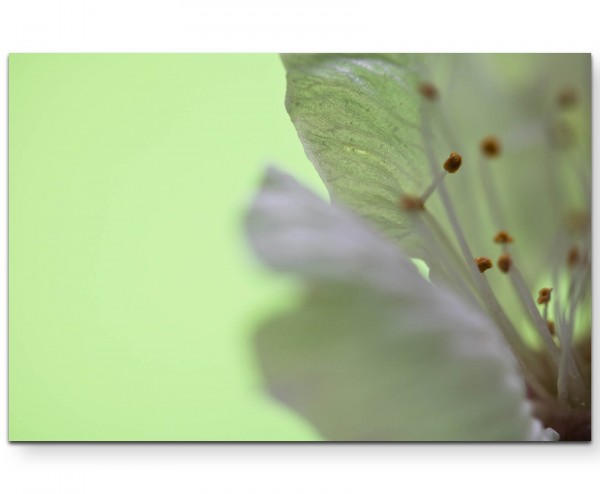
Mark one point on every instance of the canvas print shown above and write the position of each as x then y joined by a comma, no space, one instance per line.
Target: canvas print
338,247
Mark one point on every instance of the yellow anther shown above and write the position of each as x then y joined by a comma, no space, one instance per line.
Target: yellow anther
428,91
483,263
551,327
544,296
490,147
452,164
503,237
504,262
411,203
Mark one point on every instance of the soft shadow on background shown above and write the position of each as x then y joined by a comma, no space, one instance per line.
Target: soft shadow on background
133,295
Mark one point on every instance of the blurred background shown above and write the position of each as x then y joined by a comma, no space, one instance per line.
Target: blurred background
133,294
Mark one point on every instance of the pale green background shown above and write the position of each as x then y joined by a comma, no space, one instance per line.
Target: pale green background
133,296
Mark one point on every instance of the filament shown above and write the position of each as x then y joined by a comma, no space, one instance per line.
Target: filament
433,185
451,260
529,305
493,203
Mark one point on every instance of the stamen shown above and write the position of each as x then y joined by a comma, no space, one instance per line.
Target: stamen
411,203
573,257
452,164
568,370
551,327
433,185
483,264
504,262
577,290
562,383
494,206
444,257
545,316
567,98
428,91
566,363
490,147
544,296
503,238
449,249
529,305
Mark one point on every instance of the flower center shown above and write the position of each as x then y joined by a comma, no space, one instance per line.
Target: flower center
557,369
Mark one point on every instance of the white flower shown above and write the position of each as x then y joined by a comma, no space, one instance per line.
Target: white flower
376,351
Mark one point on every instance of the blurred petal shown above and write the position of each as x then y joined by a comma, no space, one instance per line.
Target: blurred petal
291,229
376,352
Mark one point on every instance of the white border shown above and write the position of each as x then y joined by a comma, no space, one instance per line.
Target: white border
307,25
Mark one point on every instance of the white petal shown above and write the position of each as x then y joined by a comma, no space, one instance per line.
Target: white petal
293,230
376,352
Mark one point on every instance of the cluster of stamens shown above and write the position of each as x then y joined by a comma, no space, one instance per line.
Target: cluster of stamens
550,332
